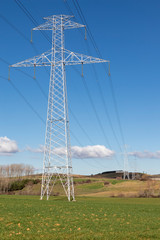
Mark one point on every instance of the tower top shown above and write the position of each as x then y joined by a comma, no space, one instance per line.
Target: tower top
66,17
57,22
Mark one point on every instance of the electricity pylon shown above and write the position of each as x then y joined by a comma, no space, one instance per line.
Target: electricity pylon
126,166
57,153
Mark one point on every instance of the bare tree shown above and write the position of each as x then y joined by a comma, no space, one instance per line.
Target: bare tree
16,170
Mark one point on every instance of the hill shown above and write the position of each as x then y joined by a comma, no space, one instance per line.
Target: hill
85,186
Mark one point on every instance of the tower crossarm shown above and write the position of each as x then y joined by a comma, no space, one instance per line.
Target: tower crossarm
41,60
57,21
70,58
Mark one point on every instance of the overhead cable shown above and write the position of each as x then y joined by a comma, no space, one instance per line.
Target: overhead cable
79,10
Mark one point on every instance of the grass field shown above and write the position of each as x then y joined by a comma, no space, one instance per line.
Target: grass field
26,217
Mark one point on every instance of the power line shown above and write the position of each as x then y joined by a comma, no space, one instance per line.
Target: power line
21,34
105,108
32,19
68,7
94,108
111,85
45,96
15,28
28,75
28,104
27,39
101,95
35,22
80,13
99,86
116,109
29,15
18,31
80,126
6,62
26,101
79,10
96,114
23,97
37,114
80,144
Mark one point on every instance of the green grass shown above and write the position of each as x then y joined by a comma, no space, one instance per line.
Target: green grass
115,181
97,185
26,217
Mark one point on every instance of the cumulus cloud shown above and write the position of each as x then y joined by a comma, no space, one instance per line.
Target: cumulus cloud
95,151
146,154
8,146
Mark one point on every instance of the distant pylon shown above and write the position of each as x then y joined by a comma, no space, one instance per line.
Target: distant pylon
57,153
126,167
134,168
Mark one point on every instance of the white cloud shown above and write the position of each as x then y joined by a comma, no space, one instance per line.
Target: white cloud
146,154
35,150
8,146
95,151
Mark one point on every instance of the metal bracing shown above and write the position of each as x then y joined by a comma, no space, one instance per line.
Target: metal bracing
70,58
57,162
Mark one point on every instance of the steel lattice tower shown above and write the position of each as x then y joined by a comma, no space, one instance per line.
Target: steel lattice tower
57,153
126,165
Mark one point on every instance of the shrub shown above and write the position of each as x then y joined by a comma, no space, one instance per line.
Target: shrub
106,183
17,185
35,181
144,177
20,184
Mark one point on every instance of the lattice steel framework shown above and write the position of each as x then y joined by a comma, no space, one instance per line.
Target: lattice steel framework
57,153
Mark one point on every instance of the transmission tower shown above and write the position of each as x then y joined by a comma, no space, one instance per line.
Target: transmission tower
126,167
57,162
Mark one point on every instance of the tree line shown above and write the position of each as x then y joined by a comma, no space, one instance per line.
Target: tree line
16,170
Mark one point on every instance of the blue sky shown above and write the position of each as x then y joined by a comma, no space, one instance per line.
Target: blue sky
127,33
